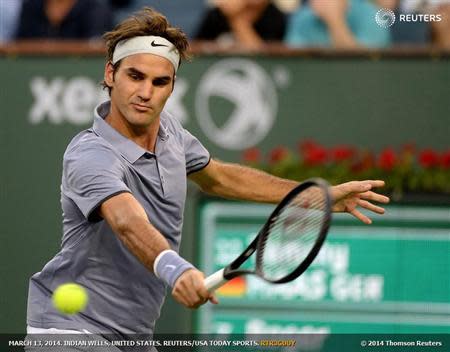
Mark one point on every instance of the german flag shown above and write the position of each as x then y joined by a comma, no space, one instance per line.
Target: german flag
236,287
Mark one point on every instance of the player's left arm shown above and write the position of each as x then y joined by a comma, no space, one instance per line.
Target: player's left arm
240,182
234,181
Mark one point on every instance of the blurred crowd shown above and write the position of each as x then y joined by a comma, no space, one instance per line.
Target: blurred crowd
245,23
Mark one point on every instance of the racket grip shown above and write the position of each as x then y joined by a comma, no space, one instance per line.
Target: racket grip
214,281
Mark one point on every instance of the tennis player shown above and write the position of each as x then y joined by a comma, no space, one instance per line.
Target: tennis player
124,188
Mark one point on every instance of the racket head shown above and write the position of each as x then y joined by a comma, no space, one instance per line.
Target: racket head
294,233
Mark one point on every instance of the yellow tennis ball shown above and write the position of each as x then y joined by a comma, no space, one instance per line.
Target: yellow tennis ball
70,298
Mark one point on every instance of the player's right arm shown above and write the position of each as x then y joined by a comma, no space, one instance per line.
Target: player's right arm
129,221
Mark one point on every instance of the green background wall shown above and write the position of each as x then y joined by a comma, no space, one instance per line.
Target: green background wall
362,101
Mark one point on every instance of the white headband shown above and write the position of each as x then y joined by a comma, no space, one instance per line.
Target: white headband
147,45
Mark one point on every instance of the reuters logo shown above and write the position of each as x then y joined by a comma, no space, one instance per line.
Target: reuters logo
385,18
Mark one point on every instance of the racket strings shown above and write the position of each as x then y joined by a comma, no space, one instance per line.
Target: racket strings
293,233
283,253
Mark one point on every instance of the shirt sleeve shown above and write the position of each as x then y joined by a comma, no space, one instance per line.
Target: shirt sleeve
197,156
92,174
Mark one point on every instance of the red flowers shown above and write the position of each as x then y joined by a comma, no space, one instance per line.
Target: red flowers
405,169
445,160
342,153
313,153
278,154
387,159
251,156
428,158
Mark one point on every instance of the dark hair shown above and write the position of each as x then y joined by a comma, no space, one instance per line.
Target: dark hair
145,22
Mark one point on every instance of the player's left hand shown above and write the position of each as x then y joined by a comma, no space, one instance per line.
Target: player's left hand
347,197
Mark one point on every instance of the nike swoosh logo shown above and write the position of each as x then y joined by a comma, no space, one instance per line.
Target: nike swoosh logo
156,44
171,267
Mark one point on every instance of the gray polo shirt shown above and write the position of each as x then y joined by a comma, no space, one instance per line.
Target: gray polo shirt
99,163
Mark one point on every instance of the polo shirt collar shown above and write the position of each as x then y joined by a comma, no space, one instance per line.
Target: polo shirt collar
129,149
163,131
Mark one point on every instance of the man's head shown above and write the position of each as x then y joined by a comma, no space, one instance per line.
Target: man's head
146,22
144,53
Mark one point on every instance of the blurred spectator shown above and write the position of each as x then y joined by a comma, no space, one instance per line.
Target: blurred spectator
64,19
407,33
420,32
246,22
9,19
387,4
441,30
337,23
287,6
115,4
184,14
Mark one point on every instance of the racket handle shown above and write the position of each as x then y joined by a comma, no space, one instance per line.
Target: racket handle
214,281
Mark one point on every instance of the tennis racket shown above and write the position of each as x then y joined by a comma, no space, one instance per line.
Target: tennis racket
290,239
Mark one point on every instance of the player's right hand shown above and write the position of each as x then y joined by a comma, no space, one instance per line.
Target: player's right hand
190,290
